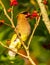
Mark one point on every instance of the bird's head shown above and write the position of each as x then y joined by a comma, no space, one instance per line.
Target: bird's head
23,15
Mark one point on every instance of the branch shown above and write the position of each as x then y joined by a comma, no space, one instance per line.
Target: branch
27,57
25,47
33,63
13,50
16,31
12,13
7,14
8,25
36,25
44,15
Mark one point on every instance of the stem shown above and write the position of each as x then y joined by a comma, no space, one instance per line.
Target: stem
12,13
7,14
37,23
44,15
20,38
26,49
30,59
33,63
8,25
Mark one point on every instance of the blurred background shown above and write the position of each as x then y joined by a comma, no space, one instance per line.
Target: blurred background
40,44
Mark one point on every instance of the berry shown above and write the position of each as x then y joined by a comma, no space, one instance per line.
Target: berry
13,2
35,14
9,10
45,2
2,21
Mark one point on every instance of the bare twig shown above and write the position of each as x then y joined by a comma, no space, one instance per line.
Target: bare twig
8,25
7,14
13,50
44,14
37,23
12,13
33,63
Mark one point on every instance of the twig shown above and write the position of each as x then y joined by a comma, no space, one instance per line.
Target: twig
7,14
16,31
12,13
44,15
27,51
8,25
33,63
13,50
37,23
25,47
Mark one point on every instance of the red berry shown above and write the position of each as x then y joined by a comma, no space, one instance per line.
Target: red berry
9,10
45,2
2,21
35,14
13,2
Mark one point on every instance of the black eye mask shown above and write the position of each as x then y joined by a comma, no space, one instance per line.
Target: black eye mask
26,14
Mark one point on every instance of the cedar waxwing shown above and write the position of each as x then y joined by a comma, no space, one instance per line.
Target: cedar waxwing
24,30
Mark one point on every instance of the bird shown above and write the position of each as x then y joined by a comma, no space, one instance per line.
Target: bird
24,29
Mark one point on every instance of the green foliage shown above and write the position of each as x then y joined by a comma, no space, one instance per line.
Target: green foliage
5,61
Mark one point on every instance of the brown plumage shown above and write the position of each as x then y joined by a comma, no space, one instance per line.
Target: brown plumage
23,26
